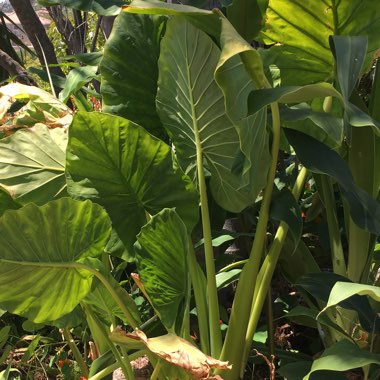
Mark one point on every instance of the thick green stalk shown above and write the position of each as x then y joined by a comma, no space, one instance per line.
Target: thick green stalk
212,293
233,347
124,362
111,368
266,273
74,349
199,288
337,255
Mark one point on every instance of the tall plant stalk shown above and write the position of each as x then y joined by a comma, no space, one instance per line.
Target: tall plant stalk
233,347
266,272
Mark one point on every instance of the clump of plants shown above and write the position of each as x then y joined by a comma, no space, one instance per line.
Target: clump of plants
117,219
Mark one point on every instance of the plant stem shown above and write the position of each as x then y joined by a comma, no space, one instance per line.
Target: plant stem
265,276
124,362
74,349
337,255
199,287
233,347
156,371
212,293
111,368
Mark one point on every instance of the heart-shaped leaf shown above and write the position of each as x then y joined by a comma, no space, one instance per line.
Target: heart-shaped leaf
121,166
41,249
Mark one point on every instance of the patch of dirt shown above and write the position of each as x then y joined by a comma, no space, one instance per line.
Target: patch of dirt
141,367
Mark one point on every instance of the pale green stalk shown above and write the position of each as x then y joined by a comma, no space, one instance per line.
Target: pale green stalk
74,349
265,276
337,254
212,294
233,347
199,288
111,368
124,362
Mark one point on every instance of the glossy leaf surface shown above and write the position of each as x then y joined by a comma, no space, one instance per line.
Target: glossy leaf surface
41,248
119,165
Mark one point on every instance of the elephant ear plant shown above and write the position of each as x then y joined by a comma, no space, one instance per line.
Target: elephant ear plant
120,193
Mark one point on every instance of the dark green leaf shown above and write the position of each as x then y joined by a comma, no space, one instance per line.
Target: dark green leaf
343,356
318,158
297,371
129,86
319,285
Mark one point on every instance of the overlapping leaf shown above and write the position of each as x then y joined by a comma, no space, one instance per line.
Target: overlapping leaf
32,164
40,248
302,32
161,252
129,69
191,107
121,166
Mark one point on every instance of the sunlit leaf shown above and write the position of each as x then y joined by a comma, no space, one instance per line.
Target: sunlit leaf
32,164
301,32
41,278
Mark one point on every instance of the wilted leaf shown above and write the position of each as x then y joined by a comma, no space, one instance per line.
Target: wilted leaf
41,107
177,351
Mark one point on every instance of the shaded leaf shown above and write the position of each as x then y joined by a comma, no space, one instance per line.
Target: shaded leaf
319,285
343,356
129,86
318,158
224,279
42,279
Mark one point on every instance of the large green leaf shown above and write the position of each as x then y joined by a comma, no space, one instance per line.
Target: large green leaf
301,31
41,249
191,107
161,251
343,356
119,165
32,164
318,158
129,86
101,7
